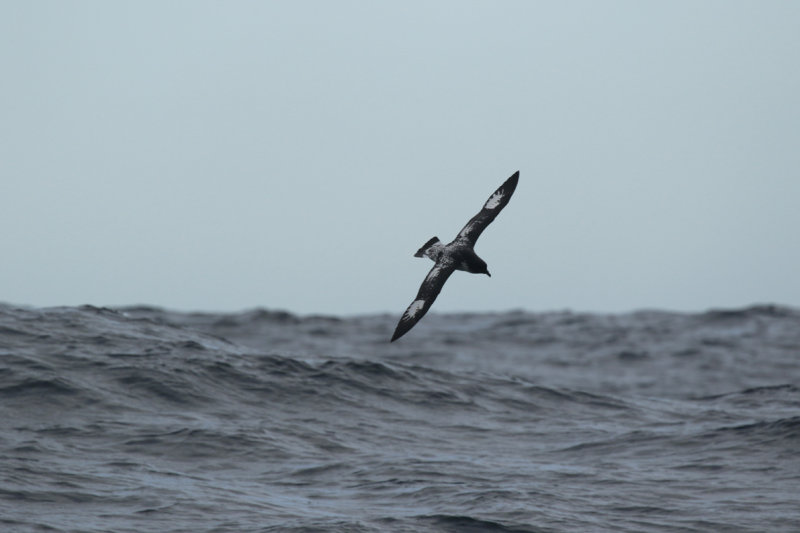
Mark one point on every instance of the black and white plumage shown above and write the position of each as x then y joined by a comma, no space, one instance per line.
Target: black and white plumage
458,255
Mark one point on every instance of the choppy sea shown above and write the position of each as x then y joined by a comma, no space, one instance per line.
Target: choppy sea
141,419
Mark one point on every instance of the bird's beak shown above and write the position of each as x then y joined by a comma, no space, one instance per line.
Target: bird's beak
487,273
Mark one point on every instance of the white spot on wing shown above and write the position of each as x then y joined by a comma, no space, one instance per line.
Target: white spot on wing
414,308
494,201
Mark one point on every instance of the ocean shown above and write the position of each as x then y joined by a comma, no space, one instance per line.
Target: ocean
142,419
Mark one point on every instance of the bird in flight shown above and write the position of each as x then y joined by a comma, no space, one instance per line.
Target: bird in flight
458,255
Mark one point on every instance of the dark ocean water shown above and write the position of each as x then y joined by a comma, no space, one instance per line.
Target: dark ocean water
140,419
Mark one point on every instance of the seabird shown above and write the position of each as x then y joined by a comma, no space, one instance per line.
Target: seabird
458,255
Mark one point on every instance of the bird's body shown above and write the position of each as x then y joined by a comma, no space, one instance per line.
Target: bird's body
459,252
457,255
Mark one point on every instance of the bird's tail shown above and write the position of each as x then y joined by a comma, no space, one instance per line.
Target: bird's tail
427,246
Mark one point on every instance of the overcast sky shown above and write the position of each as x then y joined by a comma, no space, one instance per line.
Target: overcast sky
294,155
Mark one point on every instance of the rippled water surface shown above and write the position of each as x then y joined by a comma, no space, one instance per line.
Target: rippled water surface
141,419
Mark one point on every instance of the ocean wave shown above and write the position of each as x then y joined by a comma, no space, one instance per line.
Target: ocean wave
265,420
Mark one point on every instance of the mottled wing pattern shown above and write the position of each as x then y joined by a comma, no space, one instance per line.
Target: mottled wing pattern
428,291
496,202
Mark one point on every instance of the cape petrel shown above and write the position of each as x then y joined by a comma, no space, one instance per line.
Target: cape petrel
458,255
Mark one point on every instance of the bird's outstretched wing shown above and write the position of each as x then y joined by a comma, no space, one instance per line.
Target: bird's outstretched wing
428,291
491,208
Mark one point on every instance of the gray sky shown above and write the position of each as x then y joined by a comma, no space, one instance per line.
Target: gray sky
226,155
